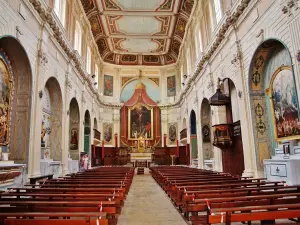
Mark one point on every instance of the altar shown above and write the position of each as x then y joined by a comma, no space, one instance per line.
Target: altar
140,156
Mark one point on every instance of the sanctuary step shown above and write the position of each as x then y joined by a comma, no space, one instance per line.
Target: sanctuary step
140,170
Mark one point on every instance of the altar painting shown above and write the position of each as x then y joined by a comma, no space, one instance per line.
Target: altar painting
140,122
107,133
172,133
285,106
5,101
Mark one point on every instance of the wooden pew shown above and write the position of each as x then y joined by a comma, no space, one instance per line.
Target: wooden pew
33,180
40,218
231,193
106,186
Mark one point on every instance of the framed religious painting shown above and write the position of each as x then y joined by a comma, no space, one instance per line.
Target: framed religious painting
284,104
172,133
108,85
5,99
107,133
140,122
171,86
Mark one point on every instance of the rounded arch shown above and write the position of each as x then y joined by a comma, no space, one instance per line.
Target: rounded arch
193,135
267,101
17,116
87,131
74,129
52,118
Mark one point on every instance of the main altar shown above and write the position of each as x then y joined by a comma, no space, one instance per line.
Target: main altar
140,124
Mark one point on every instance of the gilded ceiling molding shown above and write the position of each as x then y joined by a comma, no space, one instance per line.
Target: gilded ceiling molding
112,50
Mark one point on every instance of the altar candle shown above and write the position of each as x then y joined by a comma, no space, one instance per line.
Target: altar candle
177,148
102,149
116,140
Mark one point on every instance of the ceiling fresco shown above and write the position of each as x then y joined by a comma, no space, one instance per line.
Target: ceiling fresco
138,32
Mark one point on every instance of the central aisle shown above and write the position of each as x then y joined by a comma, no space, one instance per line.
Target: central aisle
147,204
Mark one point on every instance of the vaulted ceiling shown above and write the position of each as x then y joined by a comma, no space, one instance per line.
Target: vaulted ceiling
138,32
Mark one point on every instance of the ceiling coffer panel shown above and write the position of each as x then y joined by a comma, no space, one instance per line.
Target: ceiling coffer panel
138,32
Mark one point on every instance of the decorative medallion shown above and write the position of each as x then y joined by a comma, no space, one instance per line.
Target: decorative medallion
256,78
187,6
261,127
259,61
206,134
259,110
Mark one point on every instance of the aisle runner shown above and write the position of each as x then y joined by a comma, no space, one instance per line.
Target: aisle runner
147,204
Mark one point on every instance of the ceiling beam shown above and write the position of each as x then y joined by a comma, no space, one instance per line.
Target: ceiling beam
139,36
136,13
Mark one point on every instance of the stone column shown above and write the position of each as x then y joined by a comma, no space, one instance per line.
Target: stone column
37,106
65,126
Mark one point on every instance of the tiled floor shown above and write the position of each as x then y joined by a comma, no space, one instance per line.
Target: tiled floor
147,204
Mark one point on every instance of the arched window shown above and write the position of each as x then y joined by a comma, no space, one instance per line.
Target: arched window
77,38
188,61
96,76
199,45
60,10
88,60
218,10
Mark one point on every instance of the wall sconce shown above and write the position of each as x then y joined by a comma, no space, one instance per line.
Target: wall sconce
40,94
240,94
93,76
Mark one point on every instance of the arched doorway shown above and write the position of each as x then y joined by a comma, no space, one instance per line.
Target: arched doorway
52,120
233,159
193,135
16,81
87,131
274,100
74,129
206,130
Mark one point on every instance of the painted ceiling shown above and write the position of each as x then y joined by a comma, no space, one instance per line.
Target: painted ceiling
138,32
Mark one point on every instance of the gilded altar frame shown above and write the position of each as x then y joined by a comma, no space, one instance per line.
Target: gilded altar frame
129,121
5,120
269,91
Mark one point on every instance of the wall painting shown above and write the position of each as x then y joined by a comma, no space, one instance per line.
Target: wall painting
172,133
5,100
140,119
171,86
107,133
108,85
284,103
74,139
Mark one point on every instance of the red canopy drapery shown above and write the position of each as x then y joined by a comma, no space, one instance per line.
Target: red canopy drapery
140,96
